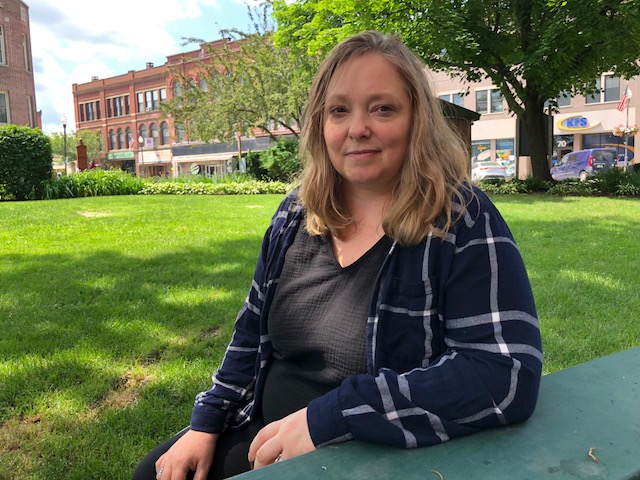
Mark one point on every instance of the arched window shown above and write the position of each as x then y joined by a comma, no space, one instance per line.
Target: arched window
164,130
153,130
204,86
112,140
129,139
120,139
179,133
143,131
177,89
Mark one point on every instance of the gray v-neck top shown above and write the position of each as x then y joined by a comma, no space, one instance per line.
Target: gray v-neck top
317,322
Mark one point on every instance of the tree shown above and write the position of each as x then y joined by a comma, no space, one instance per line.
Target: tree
533,50
25,161
250,84
90,138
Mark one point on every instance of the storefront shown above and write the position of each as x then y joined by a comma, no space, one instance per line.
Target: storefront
125,161
504,149
590,130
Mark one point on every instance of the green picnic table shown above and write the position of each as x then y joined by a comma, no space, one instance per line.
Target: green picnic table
586,426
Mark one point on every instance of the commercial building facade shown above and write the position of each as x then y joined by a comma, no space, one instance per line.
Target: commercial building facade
138,137
17,86
581,122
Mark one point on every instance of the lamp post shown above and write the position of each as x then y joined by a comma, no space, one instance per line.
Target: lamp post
141,144
63,119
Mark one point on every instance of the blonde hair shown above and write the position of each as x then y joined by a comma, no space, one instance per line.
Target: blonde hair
433,175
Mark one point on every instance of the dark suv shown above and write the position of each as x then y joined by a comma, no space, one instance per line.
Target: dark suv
584,163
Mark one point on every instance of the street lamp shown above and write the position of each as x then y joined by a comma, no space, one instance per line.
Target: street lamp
63,119
140,144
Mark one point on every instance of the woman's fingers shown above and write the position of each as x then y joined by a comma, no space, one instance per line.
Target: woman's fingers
288,437
267,453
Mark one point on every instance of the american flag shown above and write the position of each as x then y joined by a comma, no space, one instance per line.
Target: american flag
624,99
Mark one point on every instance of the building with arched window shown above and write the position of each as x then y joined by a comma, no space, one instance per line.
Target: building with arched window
17,87
153,144
126,110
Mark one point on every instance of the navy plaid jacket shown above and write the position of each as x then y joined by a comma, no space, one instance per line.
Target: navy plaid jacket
453,341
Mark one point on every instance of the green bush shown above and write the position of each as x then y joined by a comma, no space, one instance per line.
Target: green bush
188,178
528,185
613,182
222,188
254,166
93,183
575,188
279,162
25,162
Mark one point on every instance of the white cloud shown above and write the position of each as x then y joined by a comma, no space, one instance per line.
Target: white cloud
77,39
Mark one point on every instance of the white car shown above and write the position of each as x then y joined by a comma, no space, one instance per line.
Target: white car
486,170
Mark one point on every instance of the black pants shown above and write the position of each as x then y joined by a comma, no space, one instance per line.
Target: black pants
230,457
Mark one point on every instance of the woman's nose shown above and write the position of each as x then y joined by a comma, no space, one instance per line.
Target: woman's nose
359,126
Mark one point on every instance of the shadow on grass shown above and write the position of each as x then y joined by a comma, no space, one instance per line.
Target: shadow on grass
59,312
75,327
132,340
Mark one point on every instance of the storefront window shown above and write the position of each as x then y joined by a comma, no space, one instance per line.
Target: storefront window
609,140
505,148
562,144
480,150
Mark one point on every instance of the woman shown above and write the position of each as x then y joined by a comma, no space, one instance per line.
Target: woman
390,303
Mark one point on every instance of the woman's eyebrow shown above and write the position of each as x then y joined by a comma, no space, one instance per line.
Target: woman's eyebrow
340,97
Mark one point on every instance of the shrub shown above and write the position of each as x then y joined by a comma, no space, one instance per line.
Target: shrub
93,183
612,182
221,188
535,185
575,188
529,185
25,161
280,162
232,178
254,166
607,182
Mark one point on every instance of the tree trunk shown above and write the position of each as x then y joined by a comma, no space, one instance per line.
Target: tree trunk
536,123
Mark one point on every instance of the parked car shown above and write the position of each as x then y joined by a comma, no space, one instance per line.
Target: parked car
486,170
584,163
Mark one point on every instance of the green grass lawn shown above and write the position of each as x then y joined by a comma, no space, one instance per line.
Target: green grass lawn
115,311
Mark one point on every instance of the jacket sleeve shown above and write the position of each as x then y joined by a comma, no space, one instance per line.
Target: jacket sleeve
475,329
229,399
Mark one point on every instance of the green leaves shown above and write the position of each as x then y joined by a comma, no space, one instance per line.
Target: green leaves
25,161
251,84
532,50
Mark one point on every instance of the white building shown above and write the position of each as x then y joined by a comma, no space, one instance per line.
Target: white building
581,122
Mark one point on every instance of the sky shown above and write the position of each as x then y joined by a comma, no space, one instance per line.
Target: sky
74,40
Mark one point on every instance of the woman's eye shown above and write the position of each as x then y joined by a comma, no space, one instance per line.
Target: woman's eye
384,108
337,110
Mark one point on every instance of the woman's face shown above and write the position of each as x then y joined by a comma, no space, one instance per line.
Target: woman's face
367,122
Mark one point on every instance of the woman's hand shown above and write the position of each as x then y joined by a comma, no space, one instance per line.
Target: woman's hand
285,438
193,452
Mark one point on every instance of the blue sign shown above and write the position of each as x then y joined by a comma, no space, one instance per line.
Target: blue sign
575,123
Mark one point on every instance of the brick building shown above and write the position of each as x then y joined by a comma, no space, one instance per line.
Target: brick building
17,87
136,135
